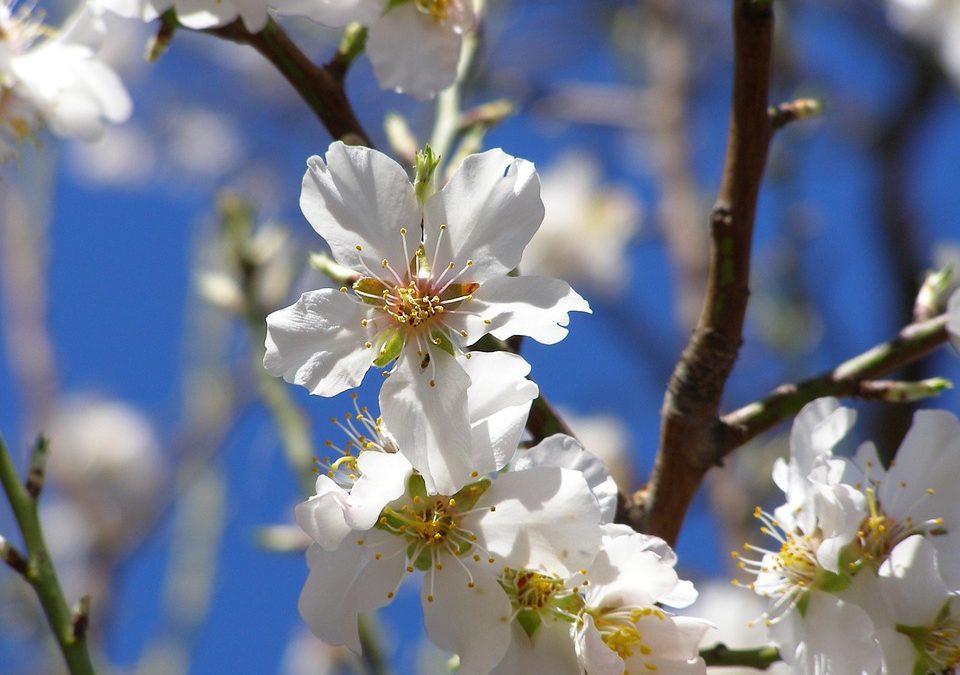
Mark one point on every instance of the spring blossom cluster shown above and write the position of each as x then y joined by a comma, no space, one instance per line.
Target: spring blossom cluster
864,574
521,565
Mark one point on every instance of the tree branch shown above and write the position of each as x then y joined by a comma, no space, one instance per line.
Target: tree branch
693,396
38,568
321,87
850,378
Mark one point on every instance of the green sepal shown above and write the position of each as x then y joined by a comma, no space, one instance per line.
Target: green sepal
424,560
468,495
570,606
529,621
803,603
395,3
389,344
368,286
416,487
439,338
830,582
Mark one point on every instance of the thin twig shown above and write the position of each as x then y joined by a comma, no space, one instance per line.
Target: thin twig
693,396
321,87
850,378
39,571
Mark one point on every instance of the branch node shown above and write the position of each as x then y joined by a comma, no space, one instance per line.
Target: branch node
38,467
80,620
13,557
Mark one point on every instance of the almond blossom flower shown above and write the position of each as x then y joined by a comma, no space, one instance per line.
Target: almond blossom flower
544,519
622,627
923,631
57,81
432,280
194,14
841,524
414,45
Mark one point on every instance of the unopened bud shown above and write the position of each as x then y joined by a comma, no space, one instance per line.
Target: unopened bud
933,294
342,276
905,392
426,166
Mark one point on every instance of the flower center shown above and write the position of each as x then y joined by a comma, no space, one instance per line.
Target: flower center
620,629
941,647
409,305
879,533
432,525
437,9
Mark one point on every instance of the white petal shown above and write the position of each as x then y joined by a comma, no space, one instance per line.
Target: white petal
331,598
565,451
832,638
535,306
911,584
550,651
899,654
595,657
383,478
428,422
471,622
412,53
546,518
318,342
333,13
674,641
491,208
626,572
361,197
499,398
322,516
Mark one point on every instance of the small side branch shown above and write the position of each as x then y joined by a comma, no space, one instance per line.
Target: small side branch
850,379
69,628
321,87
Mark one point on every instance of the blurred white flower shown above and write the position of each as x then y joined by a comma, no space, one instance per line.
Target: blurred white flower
934,22
124,156
57,81
734,613
203,142
106,455
306,655
586,227
607,437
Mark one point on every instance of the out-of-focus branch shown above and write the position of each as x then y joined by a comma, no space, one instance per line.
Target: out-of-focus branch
23,268
36,567
760,658
693,395
321,87
851,378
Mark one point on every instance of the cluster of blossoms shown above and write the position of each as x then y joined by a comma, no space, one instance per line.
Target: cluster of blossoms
54,78
523,570
865,575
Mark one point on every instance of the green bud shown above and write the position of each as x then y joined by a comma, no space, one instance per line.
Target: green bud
426,166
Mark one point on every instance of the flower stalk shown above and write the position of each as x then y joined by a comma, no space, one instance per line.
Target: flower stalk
36,567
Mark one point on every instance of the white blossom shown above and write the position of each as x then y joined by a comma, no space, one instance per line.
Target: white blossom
623,628
420,299
56,81
839,530
544,518
414,45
